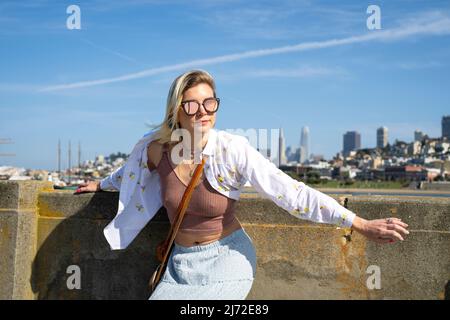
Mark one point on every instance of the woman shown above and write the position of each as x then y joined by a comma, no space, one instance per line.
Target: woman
213,257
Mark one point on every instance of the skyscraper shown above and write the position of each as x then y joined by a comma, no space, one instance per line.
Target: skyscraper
304,145
446,127
382,137
418,135
281,149
352,141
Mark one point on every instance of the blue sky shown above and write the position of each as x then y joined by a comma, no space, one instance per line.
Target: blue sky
276,63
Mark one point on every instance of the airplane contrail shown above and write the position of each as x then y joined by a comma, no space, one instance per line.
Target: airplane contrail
438,27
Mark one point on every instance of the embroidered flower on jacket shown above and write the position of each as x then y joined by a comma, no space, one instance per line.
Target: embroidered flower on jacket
131,175
299,210
232,171
142,188
140,207
343,218
220,178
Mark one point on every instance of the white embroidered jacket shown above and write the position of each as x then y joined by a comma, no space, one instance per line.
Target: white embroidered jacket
231,162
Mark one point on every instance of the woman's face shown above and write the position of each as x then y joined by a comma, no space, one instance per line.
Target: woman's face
203,119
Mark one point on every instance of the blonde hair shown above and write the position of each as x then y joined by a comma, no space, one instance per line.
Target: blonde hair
179,86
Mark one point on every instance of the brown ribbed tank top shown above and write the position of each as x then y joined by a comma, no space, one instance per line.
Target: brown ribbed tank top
208,211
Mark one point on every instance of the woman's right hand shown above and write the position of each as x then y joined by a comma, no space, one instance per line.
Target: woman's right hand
90,186
381,230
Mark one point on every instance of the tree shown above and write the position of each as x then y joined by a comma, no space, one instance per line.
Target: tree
313,177
114,156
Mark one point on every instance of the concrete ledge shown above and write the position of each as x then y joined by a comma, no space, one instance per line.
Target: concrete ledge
297,259
18,227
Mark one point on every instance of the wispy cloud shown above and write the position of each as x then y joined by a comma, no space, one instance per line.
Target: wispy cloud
274,20
415,65
294,72
113,52
439,26
300,72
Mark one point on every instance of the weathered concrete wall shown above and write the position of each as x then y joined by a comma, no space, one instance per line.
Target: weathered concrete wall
311,261
437,186
18,227
296,259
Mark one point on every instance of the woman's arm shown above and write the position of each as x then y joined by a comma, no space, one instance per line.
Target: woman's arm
112,181
307,203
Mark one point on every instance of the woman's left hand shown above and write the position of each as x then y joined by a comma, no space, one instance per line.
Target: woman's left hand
381,230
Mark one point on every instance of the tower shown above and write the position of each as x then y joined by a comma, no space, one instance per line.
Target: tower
304,145
281,149
382,137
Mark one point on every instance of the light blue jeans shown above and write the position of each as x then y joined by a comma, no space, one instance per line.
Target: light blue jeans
221,270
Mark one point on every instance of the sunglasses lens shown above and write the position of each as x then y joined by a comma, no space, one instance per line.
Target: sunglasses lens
191,107
210,105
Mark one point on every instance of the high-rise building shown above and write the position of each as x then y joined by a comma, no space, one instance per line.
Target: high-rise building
446,127
281,149
418,135
352,141
304,145
292,154
382,137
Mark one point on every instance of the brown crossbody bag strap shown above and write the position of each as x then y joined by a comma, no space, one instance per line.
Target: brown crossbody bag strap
164,248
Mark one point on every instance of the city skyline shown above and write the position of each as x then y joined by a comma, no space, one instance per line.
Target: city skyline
275,65
417,135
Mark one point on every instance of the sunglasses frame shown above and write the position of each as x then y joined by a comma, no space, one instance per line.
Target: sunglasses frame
200,104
